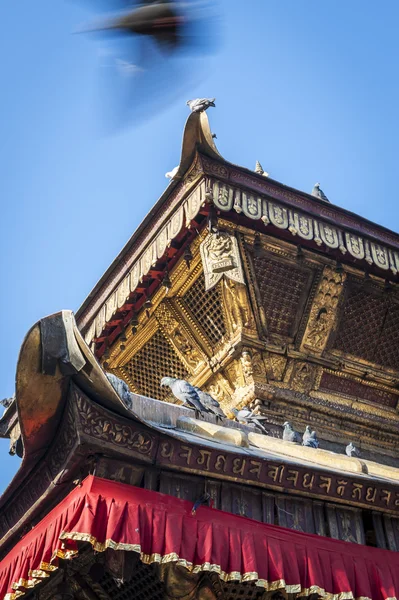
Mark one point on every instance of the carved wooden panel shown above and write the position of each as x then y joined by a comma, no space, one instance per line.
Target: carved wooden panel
350,387
156,359
391,526
117,470
241,500
295,514
369,326
206,307
282,289
345,524
181,486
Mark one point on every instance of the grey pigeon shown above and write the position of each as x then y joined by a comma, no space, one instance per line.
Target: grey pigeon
200,104
290,435
318,193
351,450
210,403
121,388
247,417
184,391
6,402
309,438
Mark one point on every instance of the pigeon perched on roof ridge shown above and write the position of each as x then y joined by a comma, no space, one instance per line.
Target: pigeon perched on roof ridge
6,402
290,435
317,192
186,393
309,438
200,104
351,450
171,174
247,416
210,403
121,388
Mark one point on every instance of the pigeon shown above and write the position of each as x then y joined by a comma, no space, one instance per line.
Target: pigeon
351,450
290,435
184,391
121,388
309,438
200,104
204,499
210,403
247,417
172,173
318,193
6,402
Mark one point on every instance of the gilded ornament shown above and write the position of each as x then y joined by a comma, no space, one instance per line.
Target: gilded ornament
277,363
220,255
323,311
302,376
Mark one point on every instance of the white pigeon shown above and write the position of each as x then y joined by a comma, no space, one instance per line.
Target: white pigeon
171,174
200,104
351,450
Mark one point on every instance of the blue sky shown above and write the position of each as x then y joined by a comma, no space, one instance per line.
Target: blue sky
310,88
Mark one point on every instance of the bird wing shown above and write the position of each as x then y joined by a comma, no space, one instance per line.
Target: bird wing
185,392
206,399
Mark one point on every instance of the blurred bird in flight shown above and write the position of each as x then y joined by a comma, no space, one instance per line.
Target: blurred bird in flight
151,52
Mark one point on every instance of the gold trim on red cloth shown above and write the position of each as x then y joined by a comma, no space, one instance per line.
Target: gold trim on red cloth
162,529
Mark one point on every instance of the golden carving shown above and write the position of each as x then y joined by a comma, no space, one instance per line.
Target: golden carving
238,311
253,367
220,255
323,311
276,364
301,376
183,343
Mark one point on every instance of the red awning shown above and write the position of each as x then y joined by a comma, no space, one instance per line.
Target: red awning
162,529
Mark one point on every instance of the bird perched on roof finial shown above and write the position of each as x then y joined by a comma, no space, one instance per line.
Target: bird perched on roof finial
259,170
290,435
309,438
318,193
200,104
351,450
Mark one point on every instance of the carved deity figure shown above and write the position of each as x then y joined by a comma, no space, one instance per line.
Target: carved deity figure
184,346
237,304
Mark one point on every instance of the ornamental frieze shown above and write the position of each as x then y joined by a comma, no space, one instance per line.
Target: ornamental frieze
306,227
256,207
275,475
99,424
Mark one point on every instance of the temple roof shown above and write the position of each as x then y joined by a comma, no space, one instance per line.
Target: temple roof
56,367
184,207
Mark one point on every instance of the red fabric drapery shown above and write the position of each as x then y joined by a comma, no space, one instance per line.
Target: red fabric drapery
162,529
